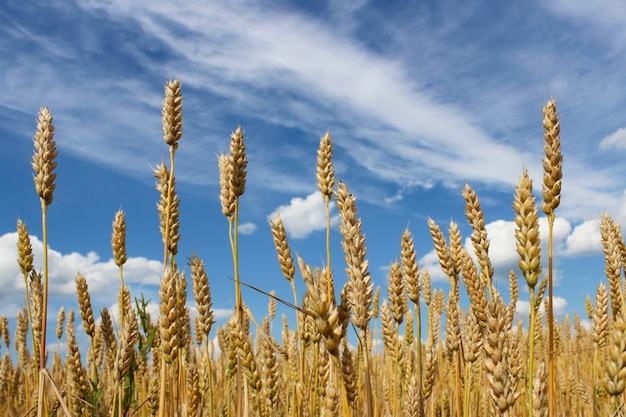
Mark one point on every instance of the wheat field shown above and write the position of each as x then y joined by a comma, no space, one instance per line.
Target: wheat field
483,360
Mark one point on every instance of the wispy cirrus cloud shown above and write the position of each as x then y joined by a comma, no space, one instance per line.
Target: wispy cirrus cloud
403,111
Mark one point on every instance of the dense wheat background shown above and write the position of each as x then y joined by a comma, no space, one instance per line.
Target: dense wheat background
403,350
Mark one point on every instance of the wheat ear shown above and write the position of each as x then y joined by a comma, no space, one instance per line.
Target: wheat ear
616,367
612,248
326,184
411,274
44,165
527,236
476,219
552,174
361,286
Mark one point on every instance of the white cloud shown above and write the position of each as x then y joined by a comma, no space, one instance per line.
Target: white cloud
615,140
247,228
102,276
584,239
430,262
502,249
301,217
434,130
558,306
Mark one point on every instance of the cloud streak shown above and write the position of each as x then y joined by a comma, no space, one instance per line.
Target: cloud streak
396,121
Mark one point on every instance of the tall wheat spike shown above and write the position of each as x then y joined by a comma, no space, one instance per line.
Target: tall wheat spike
44,165
361,286
476,219
553,172
527,237
612,248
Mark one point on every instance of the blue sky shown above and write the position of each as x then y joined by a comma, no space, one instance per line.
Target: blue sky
419,96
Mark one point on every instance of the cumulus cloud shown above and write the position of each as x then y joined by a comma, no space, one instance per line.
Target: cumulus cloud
247,228
102,280
63,270
584,239
558,304
502,251
430,262
616,140
303,216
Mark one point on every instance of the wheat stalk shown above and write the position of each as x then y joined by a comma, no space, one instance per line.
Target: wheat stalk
553,172
527,237
612,248
476,219
44,164
361,286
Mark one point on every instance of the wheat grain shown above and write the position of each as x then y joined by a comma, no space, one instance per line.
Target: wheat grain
527,231
396,293
84,304
168,323
616,367
442,249
43,159
125,353
540,394
227,194
282,248
475,287
172,115
476,219
325,171
496,347
118,239
168,208
36,302
60,320
4,330
24,249
353,244
76,373
553,162
600,324
611,246
202,296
